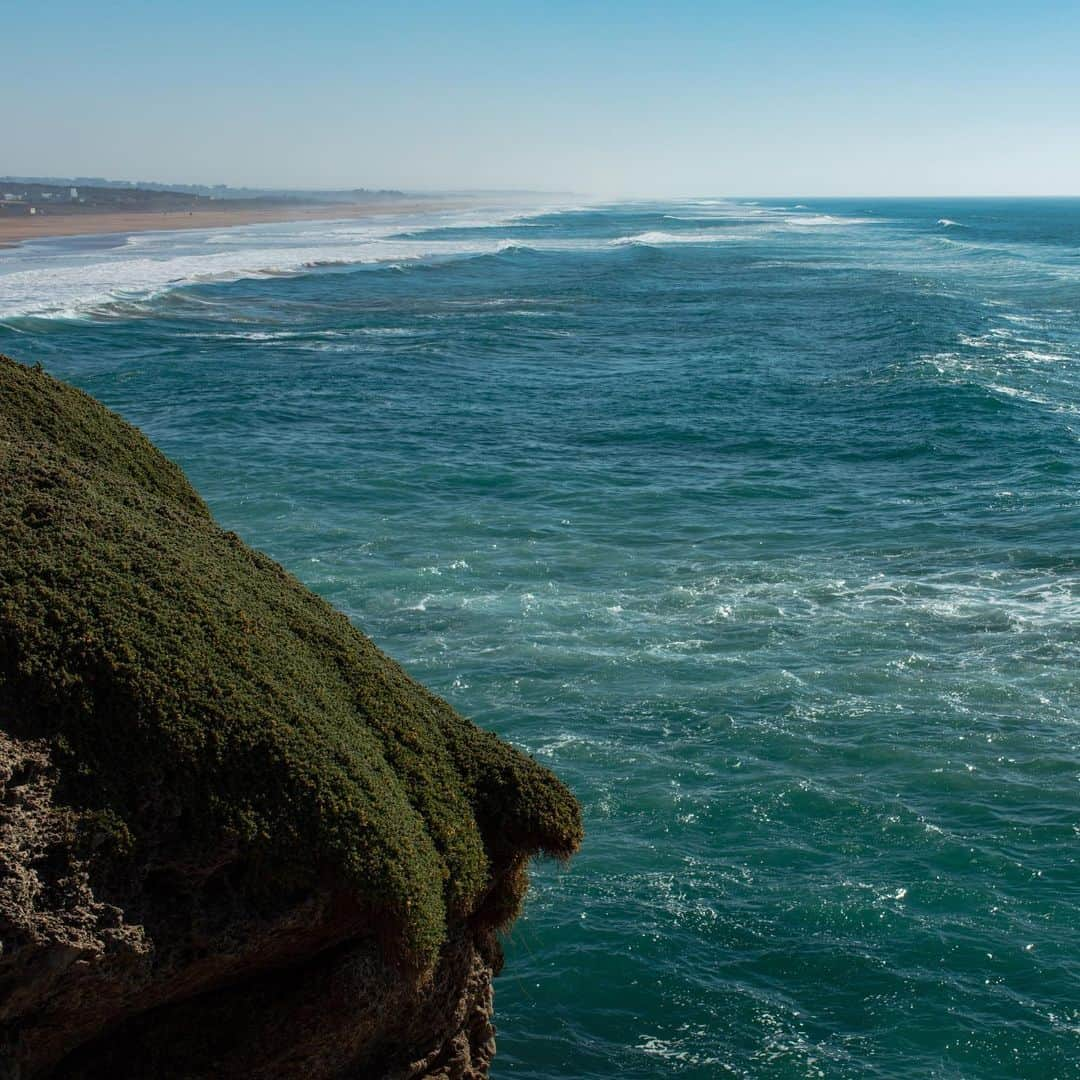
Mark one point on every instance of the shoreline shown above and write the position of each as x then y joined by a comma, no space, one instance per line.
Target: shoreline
16,231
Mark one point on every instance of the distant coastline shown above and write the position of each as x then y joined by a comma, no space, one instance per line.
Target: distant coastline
17,230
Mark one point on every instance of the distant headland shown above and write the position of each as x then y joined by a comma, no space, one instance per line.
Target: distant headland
38,207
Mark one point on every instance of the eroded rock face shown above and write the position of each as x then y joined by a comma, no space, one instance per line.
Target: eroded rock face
235,838
268,998
67,957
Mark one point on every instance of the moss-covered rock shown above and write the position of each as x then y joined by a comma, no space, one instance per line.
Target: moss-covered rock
213,729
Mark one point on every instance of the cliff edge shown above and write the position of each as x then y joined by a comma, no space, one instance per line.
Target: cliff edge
235,838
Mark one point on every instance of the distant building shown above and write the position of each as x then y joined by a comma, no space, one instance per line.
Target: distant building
74,194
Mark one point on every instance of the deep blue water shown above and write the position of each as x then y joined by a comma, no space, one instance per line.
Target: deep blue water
758,522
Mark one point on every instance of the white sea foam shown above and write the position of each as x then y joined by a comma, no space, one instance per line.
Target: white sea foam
828,219
1037,356
58,280
948,223
1033,398
701,217
658,238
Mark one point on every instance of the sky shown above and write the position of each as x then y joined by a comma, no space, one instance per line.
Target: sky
615,99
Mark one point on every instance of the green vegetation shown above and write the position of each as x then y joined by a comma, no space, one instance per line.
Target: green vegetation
199,699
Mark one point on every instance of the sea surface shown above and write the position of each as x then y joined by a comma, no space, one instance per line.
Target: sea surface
758,521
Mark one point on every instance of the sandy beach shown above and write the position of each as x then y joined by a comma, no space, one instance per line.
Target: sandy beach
16,230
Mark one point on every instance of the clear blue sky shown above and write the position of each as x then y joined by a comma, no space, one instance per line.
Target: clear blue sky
608,98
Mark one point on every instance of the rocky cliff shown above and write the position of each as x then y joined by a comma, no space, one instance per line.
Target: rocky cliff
235,838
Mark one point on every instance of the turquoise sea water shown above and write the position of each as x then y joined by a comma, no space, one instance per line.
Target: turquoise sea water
758,522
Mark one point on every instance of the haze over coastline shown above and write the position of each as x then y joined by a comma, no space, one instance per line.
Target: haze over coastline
35,211
835,98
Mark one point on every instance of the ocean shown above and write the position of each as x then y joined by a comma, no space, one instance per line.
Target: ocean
758,521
